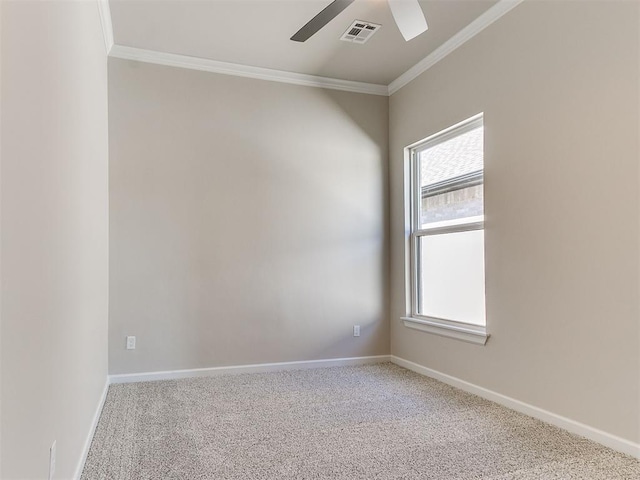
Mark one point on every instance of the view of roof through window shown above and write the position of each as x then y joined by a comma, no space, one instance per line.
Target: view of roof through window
452,158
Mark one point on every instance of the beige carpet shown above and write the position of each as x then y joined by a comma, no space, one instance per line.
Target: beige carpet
368,422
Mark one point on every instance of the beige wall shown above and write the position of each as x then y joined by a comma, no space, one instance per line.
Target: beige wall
248,220
559,87
54,233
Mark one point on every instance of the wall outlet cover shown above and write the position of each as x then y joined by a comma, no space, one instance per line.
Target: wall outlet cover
356,330
131,343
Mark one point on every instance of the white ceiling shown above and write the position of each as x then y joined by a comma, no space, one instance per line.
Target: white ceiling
257,32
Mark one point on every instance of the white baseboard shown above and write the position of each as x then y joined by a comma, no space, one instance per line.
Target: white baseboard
612,441
92,430
256,368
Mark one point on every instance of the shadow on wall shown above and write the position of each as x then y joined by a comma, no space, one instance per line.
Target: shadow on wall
249,220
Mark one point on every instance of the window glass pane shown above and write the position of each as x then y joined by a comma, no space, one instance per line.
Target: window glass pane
451,276
450,175
451,205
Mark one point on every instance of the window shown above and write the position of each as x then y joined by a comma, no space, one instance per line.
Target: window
447,233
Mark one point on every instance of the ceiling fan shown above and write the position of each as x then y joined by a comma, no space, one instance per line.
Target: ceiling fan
407,14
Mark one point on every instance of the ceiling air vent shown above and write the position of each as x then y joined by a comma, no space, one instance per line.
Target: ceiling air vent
360,32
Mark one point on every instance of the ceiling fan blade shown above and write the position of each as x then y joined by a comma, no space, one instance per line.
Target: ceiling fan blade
320,20
409,17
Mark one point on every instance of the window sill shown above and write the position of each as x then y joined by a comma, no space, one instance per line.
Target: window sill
471,334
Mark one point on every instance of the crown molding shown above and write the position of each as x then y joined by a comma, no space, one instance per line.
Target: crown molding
464,35
225,68
107,26
261,73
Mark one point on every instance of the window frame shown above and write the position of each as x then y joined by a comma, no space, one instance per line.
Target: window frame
440,326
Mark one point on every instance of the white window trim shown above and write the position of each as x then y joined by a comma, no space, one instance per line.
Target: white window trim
437,326
476,334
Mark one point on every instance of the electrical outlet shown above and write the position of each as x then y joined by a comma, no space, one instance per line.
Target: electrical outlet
131,343
52,460
356,330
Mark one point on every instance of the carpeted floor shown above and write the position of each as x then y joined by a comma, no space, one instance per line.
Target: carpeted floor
369,422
